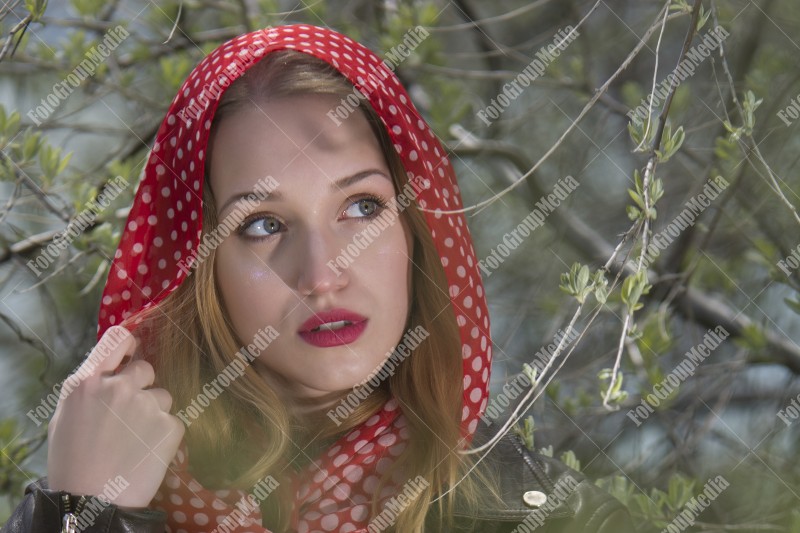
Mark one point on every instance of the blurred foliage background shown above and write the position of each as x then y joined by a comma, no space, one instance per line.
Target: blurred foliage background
722,271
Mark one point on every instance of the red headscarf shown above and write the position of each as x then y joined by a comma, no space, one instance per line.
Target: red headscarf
163,229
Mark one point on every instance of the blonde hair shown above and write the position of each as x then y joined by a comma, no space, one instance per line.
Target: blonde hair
191,340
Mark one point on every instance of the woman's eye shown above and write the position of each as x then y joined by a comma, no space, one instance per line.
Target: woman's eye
364,208
263,226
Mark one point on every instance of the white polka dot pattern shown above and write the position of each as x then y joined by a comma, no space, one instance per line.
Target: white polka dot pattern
163,229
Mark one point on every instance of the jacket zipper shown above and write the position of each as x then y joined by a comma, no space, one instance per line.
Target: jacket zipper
538,471
70,521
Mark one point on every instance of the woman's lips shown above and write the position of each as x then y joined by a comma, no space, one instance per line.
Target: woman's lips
333,328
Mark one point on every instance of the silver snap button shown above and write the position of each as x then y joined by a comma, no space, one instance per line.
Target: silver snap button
534,498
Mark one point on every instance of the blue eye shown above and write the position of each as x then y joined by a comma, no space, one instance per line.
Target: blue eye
260,226
367,207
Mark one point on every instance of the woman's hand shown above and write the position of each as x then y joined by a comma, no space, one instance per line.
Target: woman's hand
108,425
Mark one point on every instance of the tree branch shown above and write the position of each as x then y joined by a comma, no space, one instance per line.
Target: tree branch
697,306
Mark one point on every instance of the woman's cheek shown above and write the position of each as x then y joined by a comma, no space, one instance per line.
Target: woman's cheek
242,263
393,256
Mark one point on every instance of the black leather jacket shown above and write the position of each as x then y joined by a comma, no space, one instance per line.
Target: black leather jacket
536,493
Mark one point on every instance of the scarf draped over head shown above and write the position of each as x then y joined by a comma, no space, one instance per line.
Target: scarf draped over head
162,235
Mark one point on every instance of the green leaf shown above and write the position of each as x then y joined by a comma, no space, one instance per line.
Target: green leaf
525,432
569,280
12,124
679,491
36,8
47,155
656,190
677,139
702,18
9,125
62,165
614,390
530,372
30,146
580,282
583,277
794,305
632,289
636,132
600,284
730,127
571,460
636,198
681,6
672,143
750,105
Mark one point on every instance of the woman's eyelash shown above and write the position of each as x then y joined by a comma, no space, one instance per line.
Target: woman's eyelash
380,204
245,224
380,201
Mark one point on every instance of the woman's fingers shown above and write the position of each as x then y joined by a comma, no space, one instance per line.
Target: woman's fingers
113,424
111,349
103,360
140,373
162,398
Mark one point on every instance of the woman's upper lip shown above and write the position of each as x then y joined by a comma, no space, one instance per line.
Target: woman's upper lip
331,315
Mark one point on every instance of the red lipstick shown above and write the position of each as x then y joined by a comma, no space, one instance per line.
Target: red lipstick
335,327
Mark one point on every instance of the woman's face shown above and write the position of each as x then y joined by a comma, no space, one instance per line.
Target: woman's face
279,269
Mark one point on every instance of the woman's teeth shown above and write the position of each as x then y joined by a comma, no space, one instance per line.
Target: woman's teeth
331,326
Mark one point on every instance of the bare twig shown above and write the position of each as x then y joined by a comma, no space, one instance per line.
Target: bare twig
586,108
649,172
697,306
752,146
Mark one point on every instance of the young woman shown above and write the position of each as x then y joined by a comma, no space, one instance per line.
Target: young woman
293,335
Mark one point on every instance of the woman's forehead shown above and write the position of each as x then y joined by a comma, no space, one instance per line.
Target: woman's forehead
289,135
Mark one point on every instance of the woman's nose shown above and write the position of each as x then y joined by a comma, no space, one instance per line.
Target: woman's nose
317,271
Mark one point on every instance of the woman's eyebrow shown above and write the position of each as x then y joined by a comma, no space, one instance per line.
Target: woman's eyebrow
273,195
358,176
341,183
